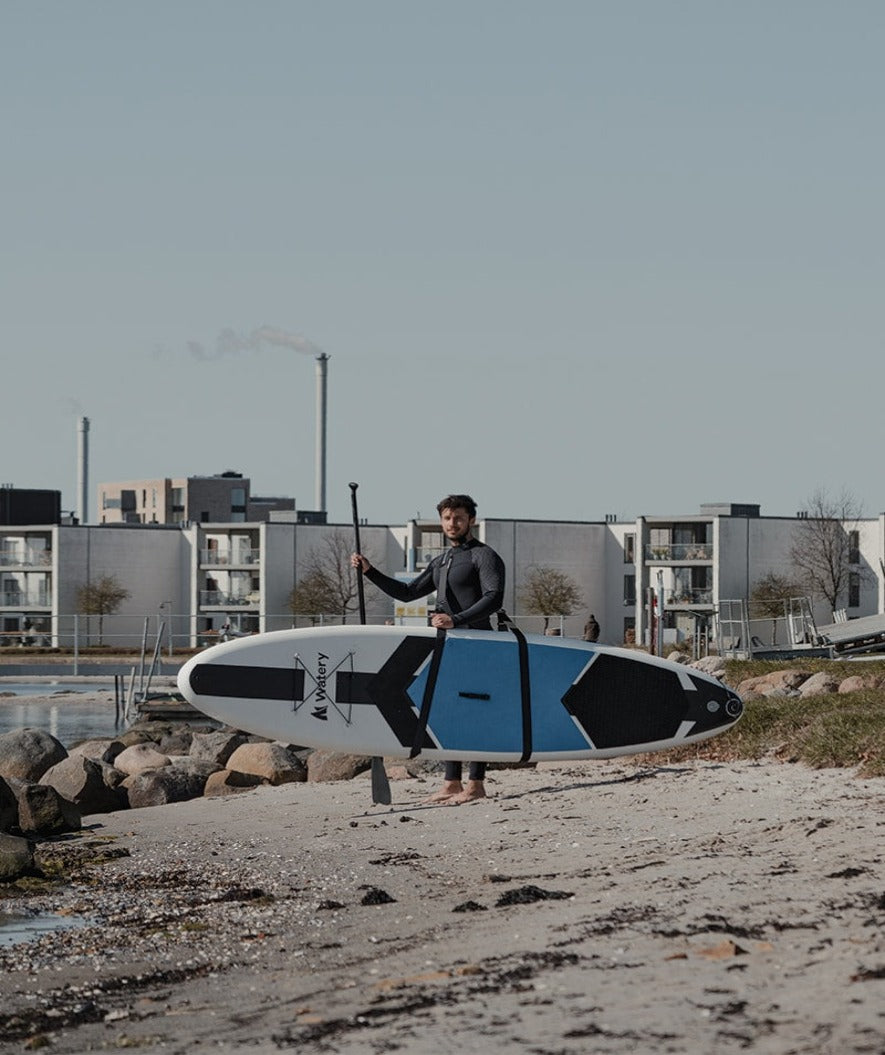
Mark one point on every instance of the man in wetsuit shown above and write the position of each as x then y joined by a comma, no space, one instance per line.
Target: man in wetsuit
472,577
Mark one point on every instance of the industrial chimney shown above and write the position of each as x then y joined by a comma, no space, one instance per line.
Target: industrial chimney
322,370
83,469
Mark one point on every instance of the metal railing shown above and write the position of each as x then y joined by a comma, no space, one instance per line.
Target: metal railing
230,558
16,599
28,559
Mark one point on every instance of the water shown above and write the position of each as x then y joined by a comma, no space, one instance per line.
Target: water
15,929
68,716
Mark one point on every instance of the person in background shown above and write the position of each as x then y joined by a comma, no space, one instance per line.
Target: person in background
468,577
591,629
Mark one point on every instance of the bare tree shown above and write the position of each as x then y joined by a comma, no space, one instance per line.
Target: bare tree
769,596
820,546
102,597
328,584
548,591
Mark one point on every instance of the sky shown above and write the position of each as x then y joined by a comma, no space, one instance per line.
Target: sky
576,258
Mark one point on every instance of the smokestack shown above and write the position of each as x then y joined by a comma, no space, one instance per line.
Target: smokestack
83,469
322,370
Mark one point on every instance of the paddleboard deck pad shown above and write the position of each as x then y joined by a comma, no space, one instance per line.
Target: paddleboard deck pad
460,694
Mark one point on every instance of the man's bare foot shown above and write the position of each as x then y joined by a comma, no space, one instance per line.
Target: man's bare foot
449,790
474,791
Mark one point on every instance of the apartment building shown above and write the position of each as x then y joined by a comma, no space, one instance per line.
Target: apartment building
200,574
223,498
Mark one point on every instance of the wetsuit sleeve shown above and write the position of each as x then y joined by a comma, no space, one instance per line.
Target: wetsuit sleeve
420,586
490,569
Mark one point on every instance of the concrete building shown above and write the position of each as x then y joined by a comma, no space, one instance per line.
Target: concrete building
201,499
198,574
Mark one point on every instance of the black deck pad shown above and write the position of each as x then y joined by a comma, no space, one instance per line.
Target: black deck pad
388,689
260,683
619,702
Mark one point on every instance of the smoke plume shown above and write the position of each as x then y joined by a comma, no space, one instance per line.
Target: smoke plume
229,342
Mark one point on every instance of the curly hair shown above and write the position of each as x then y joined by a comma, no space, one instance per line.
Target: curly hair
458,502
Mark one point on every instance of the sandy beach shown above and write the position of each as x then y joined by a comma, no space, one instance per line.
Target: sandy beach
583,907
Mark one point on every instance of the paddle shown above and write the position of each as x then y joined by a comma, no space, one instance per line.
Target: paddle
380,783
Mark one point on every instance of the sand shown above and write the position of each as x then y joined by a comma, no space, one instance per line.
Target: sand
583,907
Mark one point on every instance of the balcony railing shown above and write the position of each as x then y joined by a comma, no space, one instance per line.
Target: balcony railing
683,552
16,599
423,555
229,558
221,599
28,559
675,598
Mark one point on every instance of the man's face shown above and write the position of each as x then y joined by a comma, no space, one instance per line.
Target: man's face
456,523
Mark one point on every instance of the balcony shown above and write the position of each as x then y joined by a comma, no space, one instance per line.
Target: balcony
679,552
227,559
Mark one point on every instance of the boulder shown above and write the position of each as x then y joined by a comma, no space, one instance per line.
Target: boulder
42,811
171,783
177,742
16,857
8,807
26,754
332,765
229,782
819,684
275,762
98,750
139,757
81,780
858,683
714,665
216,746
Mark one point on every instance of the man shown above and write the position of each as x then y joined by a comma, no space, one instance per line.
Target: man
469,580
591,629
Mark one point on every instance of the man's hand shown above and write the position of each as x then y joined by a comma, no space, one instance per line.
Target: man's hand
442,621
357,560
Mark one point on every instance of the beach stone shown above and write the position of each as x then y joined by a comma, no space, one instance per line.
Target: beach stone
139,757
82,781
8,807
16,857
819,684
334,765
858,683
98,750
171,783
678,657
229,782
26,754
178,742
714,665
42,811
277,763
216,746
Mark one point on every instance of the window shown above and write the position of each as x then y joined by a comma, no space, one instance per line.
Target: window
853,589
854,547
629,549
630,589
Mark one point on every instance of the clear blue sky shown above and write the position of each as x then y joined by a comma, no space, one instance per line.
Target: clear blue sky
575,258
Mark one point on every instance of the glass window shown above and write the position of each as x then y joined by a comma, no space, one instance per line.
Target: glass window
629,549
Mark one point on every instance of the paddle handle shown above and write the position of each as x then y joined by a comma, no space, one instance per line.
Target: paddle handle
360,588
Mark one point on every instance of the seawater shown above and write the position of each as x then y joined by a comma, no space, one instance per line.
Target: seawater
69,716
16,929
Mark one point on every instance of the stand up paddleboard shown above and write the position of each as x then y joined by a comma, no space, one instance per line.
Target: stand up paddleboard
457,694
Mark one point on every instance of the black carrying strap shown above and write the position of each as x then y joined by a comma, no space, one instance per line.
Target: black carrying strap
429,688
525,691
445,564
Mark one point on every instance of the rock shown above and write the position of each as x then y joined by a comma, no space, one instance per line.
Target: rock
8,807
714,665
26,754
333,765
139,757
275,762
818,684
171,783
81,780
216,746
42,811
859,682
178,742
229,782
16,857
678,657
98,750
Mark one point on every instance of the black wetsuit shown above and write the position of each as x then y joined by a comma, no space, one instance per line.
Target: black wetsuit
474,590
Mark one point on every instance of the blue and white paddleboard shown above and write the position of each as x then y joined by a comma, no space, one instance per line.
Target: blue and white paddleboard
460,694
